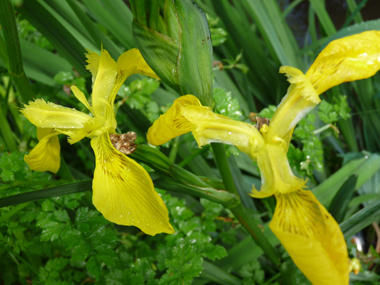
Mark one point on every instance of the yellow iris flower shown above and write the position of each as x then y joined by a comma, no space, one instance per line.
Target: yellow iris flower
311,236
122,190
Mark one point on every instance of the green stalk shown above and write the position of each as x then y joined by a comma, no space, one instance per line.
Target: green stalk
199,151
174,149
12,43
240,212
6,131
7,91
12,212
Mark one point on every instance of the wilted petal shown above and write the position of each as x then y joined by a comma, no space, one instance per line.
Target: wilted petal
312,238
124,192
172,124
45,156
347,59
50,115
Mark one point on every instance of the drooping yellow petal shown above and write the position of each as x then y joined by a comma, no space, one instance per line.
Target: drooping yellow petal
276,174
299,100
45,156
130,62
347,59
104,81
312,238
172,124
124,192
50,115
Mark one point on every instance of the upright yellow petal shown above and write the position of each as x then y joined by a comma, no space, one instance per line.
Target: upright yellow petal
347,59
104,81
299,100
45,156
81,97
130,62
93,63
172,124
312,238
124,192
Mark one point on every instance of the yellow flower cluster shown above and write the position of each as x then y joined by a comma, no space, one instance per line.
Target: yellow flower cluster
124,192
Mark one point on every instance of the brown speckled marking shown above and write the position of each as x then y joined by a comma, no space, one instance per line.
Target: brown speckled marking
124,143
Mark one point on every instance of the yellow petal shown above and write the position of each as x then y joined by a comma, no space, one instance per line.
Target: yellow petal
81,97
104,81
209,127
124,192
346,59
172,124
299,100
45,156
130,62
276,174
50,115
93,63
312,238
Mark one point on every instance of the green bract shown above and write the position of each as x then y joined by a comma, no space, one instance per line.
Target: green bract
175,41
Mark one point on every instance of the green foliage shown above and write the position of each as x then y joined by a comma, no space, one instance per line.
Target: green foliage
330,113
10,163
252,273
268,112
312,146
218,35
31,34
64,240
226,105
137,94
69,79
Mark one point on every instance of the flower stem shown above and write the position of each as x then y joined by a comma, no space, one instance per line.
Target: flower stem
174,149
6,131
240,211
12,43
194,154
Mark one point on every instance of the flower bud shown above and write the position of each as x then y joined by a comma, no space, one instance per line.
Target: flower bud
174,39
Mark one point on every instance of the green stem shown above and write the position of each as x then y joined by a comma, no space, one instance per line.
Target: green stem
7,91
321,129
240,212
6,131
15,67
12,212
174,150
193,155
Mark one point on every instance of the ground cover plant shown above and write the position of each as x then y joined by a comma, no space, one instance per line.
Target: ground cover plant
151,206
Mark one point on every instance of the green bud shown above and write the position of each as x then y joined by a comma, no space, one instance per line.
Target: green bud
174,39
